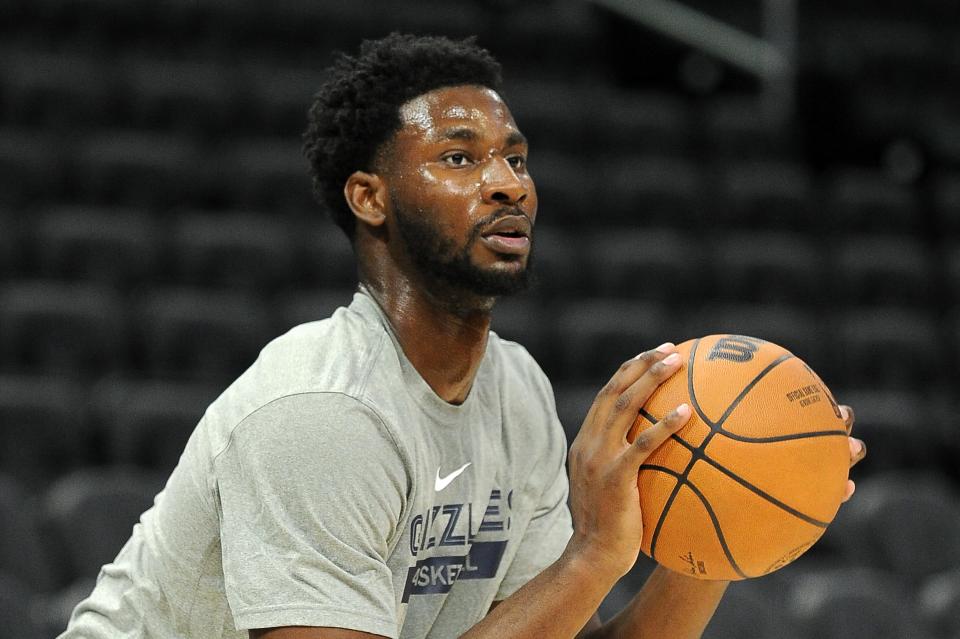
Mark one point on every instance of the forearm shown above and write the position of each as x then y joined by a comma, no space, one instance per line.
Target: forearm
556,603
669,605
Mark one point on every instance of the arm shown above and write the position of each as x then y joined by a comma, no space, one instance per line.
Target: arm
562,600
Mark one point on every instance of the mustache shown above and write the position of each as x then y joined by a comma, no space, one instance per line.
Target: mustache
503,211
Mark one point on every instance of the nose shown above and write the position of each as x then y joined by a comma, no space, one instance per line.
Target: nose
501,184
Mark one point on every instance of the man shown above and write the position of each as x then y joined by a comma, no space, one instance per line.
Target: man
397,470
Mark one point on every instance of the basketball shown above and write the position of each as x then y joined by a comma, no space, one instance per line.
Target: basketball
758,472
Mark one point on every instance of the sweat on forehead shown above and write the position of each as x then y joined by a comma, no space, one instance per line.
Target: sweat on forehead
432,112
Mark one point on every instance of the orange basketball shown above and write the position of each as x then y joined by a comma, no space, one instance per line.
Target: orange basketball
757,473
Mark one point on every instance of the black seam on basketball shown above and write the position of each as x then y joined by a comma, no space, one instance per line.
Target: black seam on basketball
683,481
749,387
764,495
690,389
647,416
663,516
782,438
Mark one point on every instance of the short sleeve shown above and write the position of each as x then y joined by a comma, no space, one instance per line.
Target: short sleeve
311,490
551,525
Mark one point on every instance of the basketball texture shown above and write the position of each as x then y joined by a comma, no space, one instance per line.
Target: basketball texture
757,473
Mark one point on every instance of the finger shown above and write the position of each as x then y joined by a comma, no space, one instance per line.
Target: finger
648,440
858,450
628,404
628,373
851,488
848,417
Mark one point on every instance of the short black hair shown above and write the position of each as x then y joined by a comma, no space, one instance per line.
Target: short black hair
358,107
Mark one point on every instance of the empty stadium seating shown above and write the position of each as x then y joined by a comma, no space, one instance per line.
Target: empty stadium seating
118,247
939,603
847,603
196,334
91,515
49,326
157,228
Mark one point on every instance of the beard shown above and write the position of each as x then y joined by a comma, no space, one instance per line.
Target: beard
439,259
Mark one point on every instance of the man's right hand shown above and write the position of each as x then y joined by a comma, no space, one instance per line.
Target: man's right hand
603,465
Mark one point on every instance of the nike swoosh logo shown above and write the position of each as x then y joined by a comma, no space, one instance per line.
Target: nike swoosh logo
443,482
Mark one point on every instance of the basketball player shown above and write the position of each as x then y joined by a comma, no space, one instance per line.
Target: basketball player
397,470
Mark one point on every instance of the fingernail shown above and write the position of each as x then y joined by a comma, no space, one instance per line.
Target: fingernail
855,446
670,360
683,410
666,347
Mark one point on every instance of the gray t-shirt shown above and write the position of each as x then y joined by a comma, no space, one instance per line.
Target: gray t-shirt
330,486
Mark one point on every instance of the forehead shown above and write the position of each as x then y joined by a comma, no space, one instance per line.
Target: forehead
430,114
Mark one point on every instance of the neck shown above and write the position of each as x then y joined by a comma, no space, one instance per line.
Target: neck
444,335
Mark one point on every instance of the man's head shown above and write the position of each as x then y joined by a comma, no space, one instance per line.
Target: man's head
410,143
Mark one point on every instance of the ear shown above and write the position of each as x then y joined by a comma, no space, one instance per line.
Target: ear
366,195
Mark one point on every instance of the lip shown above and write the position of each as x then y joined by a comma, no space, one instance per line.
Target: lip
517,243
510,224
507,245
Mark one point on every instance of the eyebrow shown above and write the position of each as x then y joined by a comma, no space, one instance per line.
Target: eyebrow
469,135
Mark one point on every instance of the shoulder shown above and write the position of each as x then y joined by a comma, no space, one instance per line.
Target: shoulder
309,381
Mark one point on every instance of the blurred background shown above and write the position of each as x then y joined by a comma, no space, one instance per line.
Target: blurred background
779,168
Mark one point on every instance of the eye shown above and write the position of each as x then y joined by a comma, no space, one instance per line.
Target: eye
517,161
456,159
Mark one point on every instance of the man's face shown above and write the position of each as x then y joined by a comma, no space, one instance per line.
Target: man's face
464,204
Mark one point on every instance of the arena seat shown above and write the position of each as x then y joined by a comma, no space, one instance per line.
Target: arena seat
747,611
763,194
11,244
889,347
597,335
951,271
557,271
267,174
32,166
139,168
888,420
945,194
42,427
865,201
846,603
883,270
147,423
302,306
276,99
767,267
543,107
526,320
241,250
566,192
643,120
92,513
54,327
892,507
113,246
655,191
22,554
939,603
735,128
661,264
54,90
196,98
324,256
16,609
198,334
53,609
